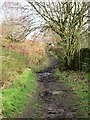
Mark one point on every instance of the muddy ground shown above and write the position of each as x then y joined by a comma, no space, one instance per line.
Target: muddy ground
53,99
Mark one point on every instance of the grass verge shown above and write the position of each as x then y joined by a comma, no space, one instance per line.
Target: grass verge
78,82
16,98
18,82
13,64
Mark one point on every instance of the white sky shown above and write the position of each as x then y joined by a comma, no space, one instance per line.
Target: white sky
23,2
2,14
1,11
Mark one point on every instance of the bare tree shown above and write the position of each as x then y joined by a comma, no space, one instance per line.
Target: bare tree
18,22
66,19
89,24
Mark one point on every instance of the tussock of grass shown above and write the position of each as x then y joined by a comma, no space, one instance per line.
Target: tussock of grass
13,64
34,51
16,98
18,56
78,83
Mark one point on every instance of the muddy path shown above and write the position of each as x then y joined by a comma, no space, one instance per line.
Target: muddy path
53,100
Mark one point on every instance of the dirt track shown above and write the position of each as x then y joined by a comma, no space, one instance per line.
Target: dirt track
56,99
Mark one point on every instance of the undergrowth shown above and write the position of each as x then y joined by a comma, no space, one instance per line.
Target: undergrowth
16,98
78,83
20,61
13,64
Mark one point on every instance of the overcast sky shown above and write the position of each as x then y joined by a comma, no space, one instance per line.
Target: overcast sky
22,2
1,11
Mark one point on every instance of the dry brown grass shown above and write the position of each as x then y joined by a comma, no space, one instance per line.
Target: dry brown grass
33,50
16,57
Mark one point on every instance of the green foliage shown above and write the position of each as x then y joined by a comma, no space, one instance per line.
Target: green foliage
15,99
78,83
81,60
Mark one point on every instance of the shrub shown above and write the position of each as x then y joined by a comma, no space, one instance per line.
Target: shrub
81,60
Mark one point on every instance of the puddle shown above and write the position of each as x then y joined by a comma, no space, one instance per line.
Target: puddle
44,74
